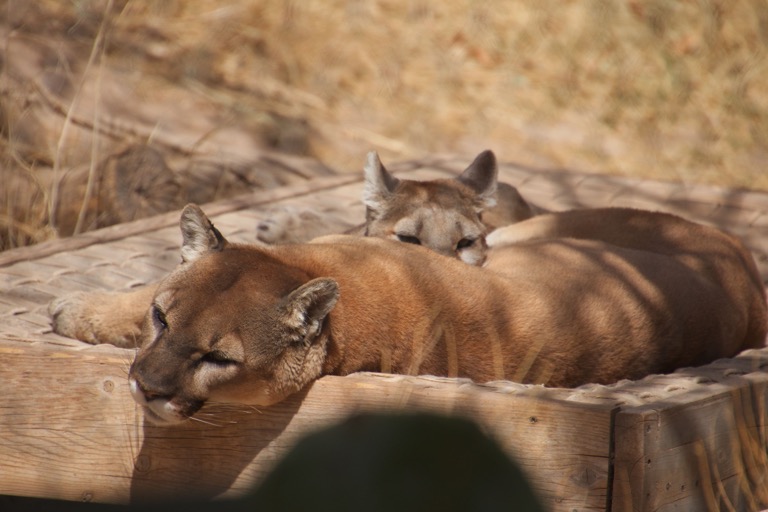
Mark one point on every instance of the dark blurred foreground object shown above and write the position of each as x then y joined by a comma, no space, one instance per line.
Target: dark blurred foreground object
373,462
397,462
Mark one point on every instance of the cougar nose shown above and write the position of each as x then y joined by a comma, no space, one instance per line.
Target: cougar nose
141,394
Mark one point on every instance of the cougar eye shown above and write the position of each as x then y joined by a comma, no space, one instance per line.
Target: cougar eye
158,318
465,242
217,358
408,239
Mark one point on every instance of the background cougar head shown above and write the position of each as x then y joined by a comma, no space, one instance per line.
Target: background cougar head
443,215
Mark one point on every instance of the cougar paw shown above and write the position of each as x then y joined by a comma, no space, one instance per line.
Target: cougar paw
271,231
88,317
290,225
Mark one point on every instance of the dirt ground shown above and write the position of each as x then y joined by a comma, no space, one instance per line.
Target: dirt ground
116,109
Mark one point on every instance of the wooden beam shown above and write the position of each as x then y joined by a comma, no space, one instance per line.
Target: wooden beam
71,430
704,449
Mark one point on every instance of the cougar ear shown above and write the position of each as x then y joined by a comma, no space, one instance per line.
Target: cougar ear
307,306
379,183
481,176
199,235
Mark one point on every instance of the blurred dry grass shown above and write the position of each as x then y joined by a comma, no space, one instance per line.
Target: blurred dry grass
672,90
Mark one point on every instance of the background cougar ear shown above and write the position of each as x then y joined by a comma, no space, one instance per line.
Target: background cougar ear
307,306
379,183
199,235
481,176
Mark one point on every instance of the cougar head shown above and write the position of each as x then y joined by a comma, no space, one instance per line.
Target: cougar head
230,324
443,215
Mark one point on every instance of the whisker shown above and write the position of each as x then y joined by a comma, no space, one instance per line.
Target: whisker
126,366
217,408
212,414
233,407
206,422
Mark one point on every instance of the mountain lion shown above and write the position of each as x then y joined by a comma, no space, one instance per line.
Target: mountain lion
450,216
254,324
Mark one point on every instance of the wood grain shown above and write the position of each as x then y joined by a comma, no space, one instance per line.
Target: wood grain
703,450
71,431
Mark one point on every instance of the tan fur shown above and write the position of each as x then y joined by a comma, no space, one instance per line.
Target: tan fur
511,207
90,316
252,324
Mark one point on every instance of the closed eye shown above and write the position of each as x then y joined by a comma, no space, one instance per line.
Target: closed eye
408,239
217,358
158,318
465,242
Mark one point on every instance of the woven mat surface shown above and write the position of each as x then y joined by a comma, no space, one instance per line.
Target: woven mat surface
125,256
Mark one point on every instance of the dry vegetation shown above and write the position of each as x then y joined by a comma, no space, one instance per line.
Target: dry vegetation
670,90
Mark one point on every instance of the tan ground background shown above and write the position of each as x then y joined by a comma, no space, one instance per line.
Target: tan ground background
670,90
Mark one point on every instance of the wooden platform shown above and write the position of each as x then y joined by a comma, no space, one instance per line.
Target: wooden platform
694,440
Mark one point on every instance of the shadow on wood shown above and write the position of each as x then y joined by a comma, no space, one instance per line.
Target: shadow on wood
207,458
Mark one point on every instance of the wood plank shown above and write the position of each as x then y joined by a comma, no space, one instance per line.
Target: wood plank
704,449
71,430
120,231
